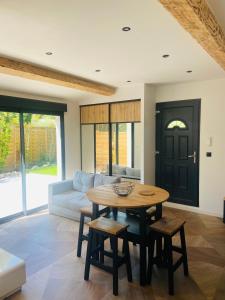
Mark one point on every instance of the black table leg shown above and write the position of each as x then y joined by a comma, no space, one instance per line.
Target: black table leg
143,240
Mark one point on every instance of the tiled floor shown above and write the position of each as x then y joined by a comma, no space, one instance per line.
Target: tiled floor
48,243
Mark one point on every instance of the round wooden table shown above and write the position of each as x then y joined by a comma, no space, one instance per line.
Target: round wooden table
104,195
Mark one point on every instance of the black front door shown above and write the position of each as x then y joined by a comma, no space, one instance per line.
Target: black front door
177,149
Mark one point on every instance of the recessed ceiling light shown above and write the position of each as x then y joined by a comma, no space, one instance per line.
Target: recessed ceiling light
189,71
166,55
126,28
48,53
128,80
97,70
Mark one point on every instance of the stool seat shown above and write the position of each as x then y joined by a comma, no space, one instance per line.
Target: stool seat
107,225
167,226
87,211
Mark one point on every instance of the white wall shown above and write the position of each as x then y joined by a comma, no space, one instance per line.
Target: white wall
212,170
148,134
72,131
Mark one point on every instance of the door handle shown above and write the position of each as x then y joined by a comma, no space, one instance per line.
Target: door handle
193,156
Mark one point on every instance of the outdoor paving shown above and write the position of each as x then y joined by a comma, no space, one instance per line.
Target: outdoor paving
11,192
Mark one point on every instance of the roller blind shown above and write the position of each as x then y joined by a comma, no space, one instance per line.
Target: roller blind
94,114
125,111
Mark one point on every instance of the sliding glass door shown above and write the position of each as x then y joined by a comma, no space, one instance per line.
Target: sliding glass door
31,157
43,163
10,175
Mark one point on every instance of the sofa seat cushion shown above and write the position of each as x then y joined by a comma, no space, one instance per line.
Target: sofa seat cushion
71,200
101,179
133,172
83,181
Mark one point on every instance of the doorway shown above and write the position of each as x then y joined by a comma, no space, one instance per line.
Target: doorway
32,154
177,150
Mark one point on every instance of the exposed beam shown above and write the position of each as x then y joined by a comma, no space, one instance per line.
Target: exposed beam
197,18
29,71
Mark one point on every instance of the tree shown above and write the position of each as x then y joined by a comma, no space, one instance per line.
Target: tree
6,122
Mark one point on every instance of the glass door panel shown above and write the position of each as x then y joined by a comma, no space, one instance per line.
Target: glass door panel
42,156
124,145
10,175
102,148
88,148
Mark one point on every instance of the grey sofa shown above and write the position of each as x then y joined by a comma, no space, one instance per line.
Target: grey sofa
66,197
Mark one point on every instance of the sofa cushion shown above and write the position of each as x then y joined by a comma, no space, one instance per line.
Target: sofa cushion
132,172
71,200
101,179
117,169
83,181
111,179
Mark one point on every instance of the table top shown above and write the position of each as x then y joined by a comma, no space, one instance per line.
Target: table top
104,195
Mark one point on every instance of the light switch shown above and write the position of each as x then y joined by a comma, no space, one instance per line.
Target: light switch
209,141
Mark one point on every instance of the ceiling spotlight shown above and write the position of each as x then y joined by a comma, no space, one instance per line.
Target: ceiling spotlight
189,71
166,55
97,70
48,53
126,28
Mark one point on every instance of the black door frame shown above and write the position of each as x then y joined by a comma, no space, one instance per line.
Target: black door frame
196,103
21,106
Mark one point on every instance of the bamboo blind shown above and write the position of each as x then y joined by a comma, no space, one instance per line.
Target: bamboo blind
95,114
129,111
126,111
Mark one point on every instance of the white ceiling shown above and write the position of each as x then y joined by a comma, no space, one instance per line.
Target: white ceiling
86,35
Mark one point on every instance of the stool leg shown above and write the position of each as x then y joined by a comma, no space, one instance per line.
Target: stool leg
81,229
169,251
88,255
127,257
115,213
184,249
115,265
151,248
102,240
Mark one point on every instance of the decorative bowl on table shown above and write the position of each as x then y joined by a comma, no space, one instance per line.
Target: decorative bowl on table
123,188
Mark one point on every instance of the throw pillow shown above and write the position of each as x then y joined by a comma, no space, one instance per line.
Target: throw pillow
83,181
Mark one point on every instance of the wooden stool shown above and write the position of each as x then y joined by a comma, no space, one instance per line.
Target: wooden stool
107,228
166,228
86,212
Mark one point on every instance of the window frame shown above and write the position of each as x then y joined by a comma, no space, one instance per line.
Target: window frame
110,134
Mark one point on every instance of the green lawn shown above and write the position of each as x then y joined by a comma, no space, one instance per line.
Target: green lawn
49,170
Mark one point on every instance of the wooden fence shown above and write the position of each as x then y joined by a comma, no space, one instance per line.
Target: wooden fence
102,149
40,147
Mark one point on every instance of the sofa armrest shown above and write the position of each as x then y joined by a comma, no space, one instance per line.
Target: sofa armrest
60,187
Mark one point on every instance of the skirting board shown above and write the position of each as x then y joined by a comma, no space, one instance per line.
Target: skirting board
192,209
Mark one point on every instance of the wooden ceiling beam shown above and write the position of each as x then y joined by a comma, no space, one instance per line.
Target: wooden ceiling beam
196,17
33,72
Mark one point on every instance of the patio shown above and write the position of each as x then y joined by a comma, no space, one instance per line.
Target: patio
11,192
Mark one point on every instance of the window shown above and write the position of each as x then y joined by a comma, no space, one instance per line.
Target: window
102,148
176,123
114,147
88,148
